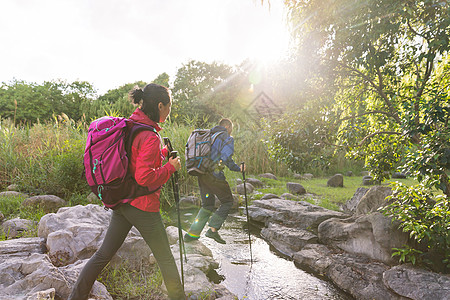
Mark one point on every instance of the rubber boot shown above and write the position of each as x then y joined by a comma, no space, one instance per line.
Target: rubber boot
199,222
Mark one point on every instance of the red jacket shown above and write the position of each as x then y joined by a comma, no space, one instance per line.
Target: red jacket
147,156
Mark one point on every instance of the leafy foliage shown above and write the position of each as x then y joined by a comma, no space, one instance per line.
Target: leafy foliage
202,89
391,68
29,102
302,139
426,217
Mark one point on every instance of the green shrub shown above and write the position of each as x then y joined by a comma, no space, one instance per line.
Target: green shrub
426,218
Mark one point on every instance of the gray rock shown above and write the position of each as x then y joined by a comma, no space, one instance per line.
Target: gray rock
367,180
314,257
308,176
365,173
189,202
349,173
12,187
268,175
371,235
255,182
23,278
13,194
287,240
295,214
298,176
22,247
289,196
350,205
360,277
336,180
199,263
238,181
240,188
373,199
295,188
270,196
17,227
417,284
48,203
48,294
75,233
92,198
399,175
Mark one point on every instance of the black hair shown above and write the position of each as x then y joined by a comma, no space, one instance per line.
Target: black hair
226,123
149,98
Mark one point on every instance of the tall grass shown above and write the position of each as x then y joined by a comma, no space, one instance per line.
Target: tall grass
47,158
43,158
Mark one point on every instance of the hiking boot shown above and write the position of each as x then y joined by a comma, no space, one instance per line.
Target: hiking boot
215,236
187,238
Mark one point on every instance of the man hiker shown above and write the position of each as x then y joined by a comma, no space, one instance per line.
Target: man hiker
215,184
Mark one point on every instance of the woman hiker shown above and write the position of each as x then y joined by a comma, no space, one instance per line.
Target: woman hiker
146,166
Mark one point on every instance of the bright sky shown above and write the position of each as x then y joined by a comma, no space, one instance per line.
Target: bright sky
113,42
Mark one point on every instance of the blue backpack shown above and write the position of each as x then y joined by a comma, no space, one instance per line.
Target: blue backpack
198,152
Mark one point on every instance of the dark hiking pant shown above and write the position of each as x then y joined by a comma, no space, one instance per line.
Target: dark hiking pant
151,227
210,187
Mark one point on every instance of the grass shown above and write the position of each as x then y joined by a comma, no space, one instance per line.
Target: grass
11,208
123,283
327,197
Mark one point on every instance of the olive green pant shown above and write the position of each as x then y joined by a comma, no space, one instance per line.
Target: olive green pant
152,229
210,187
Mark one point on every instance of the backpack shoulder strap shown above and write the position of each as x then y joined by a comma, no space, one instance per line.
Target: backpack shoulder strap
134,129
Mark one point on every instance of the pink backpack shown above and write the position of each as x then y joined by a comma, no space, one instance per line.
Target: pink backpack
106,160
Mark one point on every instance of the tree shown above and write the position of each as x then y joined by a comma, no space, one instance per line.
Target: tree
390,74
205,90
391,61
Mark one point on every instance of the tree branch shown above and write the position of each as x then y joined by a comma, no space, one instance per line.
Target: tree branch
376,133
367,113
386,100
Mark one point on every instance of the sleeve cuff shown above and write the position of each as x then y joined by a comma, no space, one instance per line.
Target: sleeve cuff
170,168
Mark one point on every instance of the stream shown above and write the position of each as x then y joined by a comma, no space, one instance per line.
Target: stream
268,275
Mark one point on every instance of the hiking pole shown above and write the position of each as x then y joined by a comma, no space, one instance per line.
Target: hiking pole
246,209
176,194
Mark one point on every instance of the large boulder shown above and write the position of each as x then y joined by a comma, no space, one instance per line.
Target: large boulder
294,214
23,247
371,235
199,263
373,199
336,180
360,277
417,284
75,233
48,203
23,277
350,205
357,275
287,240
